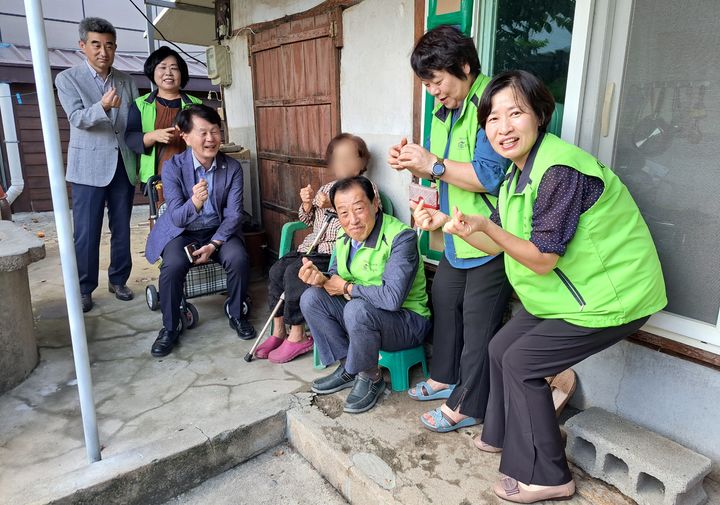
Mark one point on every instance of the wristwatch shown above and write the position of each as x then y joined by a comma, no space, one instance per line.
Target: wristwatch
346,294
438,169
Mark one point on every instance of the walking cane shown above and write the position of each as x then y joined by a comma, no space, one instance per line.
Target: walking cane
329,216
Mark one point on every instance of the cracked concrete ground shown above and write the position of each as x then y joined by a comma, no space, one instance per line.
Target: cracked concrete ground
204,385
149,409
280,475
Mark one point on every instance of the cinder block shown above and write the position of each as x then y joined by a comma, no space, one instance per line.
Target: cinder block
645,466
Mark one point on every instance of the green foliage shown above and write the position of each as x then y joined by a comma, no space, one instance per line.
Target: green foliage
523,30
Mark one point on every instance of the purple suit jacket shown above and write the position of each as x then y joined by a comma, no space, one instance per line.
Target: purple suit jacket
178,178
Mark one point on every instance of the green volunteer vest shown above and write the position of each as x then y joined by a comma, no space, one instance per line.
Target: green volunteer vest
462,148
369,262
610,273
148,113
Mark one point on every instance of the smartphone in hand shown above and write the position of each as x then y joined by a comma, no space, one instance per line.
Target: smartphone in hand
189,250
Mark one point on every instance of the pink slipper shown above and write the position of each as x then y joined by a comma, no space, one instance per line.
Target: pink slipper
268,346
288,351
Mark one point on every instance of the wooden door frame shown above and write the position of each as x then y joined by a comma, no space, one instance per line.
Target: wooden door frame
274,41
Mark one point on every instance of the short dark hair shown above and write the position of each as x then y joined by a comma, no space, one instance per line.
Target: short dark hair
526,88
97,25
159,55
349,182
444,48
185,117
360,144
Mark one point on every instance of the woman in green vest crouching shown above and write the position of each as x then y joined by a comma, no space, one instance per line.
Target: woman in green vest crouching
151,131
582,262
470,290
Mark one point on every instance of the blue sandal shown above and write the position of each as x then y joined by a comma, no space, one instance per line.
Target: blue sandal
443,424
418,395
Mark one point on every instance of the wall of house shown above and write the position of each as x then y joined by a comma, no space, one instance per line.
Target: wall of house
375,81
376,86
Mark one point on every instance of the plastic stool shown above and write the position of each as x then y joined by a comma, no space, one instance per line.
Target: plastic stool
317,364
399,364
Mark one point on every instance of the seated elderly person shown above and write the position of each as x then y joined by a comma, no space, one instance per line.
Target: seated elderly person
204,195
372,298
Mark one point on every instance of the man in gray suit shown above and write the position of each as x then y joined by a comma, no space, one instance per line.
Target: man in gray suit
101,168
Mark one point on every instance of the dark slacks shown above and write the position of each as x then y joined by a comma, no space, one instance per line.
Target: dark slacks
357,330
175,266
283,277
521,416
468,307
88,211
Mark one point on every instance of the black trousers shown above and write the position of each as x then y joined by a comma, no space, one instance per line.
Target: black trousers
521,415
283,277
468,307
175,266
89,204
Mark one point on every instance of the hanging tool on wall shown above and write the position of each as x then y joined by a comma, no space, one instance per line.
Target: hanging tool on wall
652,135
697,113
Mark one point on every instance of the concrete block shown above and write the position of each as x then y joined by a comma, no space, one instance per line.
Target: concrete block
645,466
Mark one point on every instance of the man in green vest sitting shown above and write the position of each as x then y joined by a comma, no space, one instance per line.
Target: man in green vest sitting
372,298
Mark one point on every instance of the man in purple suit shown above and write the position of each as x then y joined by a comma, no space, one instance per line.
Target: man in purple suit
203,191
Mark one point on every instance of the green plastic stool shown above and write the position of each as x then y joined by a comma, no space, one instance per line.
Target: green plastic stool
317,364
399,364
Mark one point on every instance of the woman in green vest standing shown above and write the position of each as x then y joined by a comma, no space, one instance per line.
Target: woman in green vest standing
151,131
470,290
582,262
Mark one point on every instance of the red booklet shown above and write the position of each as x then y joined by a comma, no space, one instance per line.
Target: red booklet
428,194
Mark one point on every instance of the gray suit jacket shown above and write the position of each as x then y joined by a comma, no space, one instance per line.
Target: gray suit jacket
94,138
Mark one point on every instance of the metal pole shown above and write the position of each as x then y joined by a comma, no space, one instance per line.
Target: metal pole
150,36
56,173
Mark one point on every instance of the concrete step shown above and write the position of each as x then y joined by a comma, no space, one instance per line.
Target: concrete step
279,475
384,457
156,472
651,469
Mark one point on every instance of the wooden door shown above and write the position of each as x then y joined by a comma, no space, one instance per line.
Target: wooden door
296,81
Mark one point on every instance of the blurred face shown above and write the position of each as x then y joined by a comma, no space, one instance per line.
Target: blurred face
204,139
345,161
512,126
448,89
167,75
99,49
355,212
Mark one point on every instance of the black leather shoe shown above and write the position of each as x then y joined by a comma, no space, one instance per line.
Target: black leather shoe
336,381
87,302
245,330
364,395
123,292
164,343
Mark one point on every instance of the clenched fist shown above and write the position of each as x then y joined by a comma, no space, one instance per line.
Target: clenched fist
306,196
110,100
200,194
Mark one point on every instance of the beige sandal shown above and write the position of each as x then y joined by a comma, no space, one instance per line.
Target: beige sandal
562,387
509,489
485,447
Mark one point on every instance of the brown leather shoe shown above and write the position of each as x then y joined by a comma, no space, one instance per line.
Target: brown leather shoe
509,489
485,447
123,292
87,302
